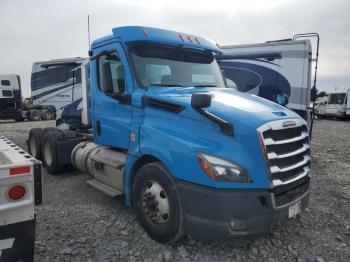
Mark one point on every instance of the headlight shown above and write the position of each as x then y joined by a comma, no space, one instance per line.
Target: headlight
222,170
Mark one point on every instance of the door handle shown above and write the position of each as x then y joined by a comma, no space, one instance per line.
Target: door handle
98,127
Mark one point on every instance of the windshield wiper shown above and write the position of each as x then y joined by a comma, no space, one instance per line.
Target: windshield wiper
166,85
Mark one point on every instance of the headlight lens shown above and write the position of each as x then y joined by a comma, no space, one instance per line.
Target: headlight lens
222,170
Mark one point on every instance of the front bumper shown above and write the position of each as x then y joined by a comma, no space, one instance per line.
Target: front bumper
223,213
17,241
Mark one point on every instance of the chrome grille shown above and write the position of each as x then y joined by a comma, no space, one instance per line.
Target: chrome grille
288,150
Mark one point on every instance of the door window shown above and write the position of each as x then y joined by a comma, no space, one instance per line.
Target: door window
111,75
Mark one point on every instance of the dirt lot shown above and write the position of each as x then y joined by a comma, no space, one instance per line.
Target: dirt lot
77,223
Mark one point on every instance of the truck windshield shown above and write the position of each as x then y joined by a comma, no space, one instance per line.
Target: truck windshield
159,65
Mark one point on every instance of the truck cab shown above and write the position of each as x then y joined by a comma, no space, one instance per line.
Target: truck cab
10,97
186,151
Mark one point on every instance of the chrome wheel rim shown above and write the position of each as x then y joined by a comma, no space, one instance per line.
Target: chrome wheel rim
155,203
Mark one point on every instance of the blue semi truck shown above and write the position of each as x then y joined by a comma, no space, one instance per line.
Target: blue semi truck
191,156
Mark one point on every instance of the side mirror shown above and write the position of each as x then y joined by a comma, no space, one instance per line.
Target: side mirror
200,100
107,83
283,99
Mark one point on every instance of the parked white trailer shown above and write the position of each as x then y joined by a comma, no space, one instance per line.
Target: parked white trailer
20,191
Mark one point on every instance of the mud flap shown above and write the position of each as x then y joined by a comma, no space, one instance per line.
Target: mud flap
17,241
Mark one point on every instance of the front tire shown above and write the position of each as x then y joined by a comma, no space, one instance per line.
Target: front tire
157,204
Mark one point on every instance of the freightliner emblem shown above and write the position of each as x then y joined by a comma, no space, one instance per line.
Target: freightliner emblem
288,123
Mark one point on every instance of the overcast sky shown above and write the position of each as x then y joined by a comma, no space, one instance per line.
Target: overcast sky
34,30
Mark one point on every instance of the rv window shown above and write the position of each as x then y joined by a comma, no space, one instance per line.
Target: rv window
5,82
7,93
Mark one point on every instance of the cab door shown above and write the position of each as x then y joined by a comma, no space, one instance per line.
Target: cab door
112,110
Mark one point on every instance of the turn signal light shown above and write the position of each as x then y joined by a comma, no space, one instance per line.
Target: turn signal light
206,167
16,192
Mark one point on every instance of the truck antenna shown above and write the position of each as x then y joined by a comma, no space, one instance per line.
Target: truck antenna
90,53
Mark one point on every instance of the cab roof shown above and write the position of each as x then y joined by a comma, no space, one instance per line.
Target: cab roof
156,35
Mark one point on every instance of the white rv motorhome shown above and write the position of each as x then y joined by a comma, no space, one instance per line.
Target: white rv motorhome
272,69
338,105
57,83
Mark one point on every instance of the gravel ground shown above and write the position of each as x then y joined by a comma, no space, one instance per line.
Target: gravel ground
77,223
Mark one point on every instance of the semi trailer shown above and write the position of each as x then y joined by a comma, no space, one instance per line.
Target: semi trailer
20,191
192,157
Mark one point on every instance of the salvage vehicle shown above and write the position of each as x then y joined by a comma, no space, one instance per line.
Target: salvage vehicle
20,191
190,155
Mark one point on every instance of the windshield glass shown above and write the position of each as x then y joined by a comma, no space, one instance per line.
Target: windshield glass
336,98
159,65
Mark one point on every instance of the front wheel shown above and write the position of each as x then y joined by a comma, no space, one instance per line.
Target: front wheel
157,204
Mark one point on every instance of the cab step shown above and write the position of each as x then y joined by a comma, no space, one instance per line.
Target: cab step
103,188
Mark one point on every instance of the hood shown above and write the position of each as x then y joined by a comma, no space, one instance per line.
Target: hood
227,103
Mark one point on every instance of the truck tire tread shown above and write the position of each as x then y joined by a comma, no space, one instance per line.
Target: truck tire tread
37,135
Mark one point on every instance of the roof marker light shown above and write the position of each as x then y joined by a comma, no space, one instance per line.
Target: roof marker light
196,39
181,37
145,32
189,38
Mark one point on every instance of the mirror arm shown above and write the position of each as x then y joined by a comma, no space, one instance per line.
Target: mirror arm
224,126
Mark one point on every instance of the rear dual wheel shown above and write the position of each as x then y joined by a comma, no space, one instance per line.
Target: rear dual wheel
34,115
157,204
47,114
34,142
49,152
